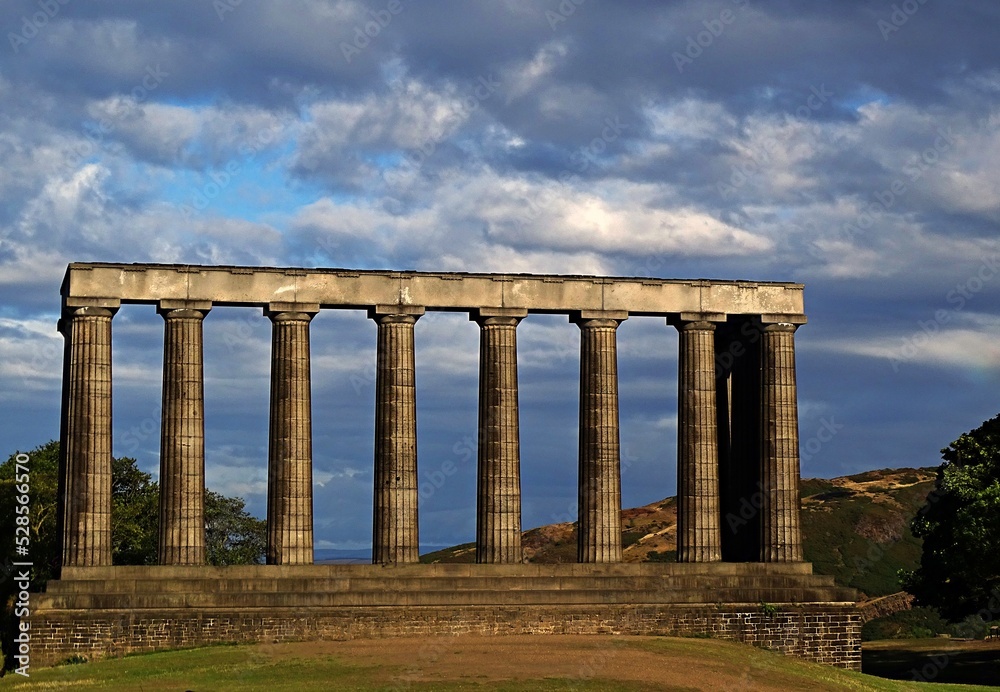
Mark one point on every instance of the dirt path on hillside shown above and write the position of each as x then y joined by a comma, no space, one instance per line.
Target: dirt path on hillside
573,660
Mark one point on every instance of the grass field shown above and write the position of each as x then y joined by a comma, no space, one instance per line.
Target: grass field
464,663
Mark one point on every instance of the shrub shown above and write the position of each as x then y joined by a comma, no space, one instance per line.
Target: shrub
918,623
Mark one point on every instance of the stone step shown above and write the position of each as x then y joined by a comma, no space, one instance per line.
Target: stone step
421,570
513,583
206,601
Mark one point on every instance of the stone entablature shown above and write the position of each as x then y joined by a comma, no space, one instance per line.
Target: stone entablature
109,285
737,411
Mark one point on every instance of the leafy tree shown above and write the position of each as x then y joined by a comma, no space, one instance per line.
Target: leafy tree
134,514
43,481
232,536
959,570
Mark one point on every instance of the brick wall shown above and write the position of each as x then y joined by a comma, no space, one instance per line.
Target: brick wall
826,634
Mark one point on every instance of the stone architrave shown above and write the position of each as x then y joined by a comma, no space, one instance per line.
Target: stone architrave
498,495
599,537
781,539
395,527
182,442
698,531
85,458
289,465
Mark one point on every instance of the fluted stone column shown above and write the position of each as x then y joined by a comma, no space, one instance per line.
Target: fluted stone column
600,497
780,535
182,435
698,534
396,537
85,482
498,493
289,460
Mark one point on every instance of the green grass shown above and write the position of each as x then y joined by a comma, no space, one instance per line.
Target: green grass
285,668
784,672
833,544
210,668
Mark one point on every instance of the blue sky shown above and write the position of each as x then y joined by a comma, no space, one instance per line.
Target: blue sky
853,146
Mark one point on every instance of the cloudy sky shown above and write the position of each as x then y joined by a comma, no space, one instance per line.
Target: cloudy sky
853,146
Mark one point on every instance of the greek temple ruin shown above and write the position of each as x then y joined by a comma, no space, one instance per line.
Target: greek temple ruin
737,438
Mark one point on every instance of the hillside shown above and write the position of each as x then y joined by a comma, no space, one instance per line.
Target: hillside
855,528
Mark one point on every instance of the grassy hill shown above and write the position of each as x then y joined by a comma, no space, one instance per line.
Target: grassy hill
856,528
465,662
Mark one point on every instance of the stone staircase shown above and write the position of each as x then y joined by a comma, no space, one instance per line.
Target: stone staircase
331,586
101,611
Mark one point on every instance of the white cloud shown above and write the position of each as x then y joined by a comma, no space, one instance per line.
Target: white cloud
963,341
526,76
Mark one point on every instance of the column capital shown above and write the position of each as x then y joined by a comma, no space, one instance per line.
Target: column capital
598,318
395,313
683,320
183,308
774,318
696,326
69,313
72,304
779,327
499,316
287,312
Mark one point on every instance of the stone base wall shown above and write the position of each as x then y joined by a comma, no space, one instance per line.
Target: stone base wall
828,634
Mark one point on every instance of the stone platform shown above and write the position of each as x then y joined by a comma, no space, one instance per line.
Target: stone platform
111,611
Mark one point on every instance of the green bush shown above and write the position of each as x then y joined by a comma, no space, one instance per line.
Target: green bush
918,623
972,627
631,538
662,556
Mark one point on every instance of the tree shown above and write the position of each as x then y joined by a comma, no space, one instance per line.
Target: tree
42,481
959,570
232,536
134,513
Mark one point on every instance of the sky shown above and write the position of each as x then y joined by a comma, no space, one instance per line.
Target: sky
852,146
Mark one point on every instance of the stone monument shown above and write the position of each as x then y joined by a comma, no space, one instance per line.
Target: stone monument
737,438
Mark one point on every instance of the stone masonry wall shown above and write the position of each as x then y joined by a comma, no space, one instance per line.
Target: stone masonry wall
825,634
